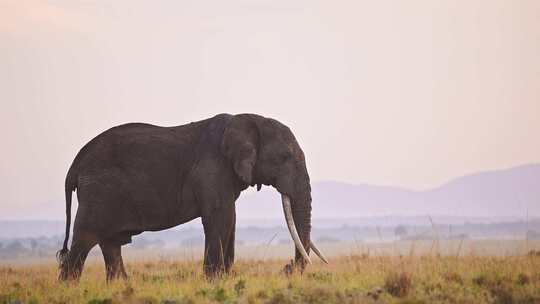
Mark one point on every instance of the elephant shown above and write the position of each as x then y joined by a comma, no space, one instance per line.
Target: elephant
140,177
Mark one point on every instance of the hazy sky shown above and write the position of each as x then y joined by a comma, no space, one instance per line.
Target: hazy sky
408,93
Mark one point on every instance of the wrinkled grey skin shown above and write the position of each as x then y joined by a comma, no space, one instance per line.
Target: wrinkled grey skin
139,177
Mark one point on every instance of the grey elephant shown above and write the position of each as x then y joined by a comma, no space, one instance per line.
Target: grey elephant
139,177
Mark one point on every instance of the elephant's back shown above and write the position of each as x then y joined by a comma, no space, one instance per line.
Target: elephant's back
132,146
98,146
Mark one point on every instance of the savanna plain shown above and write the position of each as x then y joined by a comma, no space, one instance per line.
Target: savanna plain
359,276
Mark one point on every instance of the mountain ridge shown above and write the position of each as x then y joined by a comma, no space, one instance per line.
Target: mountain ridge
507,192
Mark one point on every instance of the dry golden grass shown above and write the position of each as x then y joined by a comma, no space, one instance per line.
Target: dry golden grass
348,279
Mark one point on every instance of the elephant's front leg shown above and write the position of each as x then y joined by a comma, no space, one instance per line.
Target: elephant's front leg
219,230
229,254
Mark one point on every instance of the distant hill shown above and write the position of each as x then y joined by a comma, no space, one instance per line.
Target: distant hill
504,193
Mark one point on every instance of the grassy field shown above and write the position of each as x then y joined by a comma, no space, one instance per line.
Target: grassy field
348,279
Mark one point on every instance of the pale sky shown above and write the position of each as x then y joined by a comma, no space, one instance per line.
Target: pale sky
405,93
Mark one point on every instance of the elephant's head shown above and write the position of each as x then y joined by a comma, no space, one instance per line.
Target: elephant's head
264,151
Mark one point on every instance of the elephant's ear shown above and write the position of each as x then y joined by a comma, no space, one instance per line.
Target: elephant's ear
240,143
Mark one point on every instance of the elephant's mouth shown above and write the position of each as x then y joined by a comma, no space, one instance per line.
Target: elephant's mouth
287,210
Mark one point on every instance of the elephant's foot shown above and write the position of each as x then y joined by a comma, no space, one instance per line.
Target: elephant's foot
119,275
70,272
213,272
72,260
114,264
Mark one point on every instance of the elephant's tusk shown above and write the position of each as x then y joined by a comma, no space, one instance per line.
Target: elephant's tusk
292,228
318,252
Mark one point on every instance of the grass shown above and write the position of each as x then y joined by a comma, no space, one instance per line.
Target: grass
348,279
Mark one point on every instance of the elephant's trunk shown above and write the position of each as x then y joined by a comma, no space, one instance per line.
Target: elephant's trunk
301,243
296,199
298,217
301,210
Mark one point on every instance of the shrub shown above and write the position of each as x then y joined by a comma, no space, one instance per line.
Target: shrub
480,280
523,279
239,287
398,284
321,276
453,277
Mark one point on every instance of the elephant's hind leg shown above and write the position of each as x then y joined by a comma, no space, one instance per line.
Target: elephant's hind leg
71,268
114,265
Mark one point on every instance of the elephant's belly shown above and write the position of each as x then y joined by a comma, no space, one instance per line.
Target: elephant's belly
185,208
110,205
156,213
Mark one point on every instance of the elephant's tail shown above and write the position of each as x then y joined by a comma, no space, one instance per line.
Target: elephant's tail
71,185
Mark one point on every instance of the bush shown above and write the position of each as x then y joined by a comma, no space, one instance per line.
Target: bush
523,279
453,277
398,284
239,287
